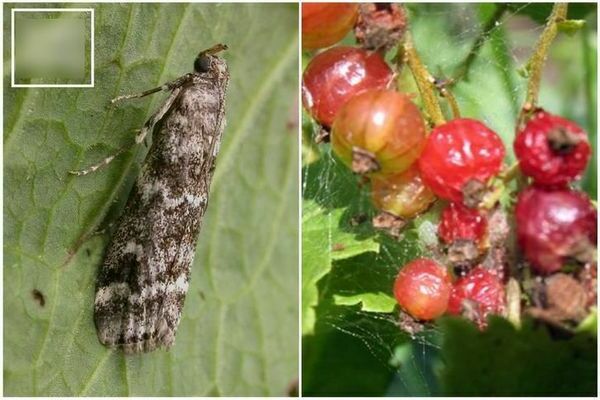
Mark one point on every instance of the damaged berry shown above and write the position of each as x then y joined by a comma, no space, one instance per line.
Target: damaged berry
458,222
554,227
477,295
402,194
336,75
378,132
459,153
324,24
464,230
552,150
422,289
380,26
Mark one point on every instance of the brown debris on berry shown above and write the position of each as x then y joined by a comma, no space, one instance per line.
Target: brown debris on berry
463,252
389,223
564,302
408,324
363,161
380,26
473,193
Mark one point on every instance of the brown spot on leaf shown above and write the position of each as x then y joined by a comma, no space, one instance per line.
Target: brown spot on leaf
38,297
338,247
292,389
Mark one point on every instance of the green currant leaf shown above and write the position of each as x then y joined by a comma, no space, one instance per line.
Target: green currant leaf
370,302
571,26
539,12
590,323
335,363
238,335
323,242
415,366
505,361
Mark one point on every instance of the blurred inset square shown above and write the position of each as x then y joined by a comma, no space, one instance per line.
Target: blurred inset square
52,47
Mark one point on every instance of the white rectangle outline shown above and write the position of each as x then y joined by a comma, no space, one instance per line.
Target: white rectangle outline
12,48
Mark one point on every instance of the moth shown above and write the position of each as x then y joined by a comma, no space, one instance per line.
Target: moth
143,280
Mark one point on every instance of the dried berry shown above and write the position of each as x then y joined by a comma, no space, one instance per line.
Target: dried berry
422,289
380,26
477,295
379,132
324,24
336,75
552,150
402,194
554,226
458,154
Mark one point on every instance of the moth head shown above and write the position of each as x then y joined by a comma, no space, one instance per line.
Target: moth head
207,59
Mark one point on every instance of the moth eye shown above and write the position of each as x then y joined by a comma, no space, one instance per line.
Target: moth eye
202,63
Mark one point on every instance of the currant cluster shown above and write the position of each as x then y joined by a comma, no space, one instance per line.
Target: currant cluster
380,134
556,229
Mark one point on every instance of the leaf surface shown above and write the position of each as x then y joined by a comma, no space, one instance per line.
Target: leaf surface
323,242
238,334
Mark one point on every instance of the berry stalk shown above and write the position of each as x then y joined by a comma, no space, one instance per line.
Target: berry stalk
425,82
537,60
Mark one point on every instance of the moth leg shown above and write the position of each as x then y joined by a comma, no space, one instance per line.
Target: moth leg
166,86
104,162
158,115
140,133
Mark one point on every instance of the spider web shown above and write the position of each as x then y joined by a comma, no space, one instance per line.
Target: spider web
484,50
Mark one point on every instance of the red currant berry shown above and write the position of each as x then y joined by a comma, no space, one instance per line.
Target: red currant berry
477,295
552,150
378,132
324,24
461,223
457,153
336,75
422,289
554,226
403,195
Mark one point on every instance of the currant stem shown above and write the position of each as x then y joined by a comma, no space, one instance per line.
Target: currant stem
425,82
538,58
491,198
513,297
510,173
500,186
447,94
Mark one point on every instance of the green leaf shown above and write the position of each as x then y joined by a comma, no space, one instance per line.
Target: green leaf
322,242
415,364
590,323
505,361
571,26
370,302
335,363
539,12
238,335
